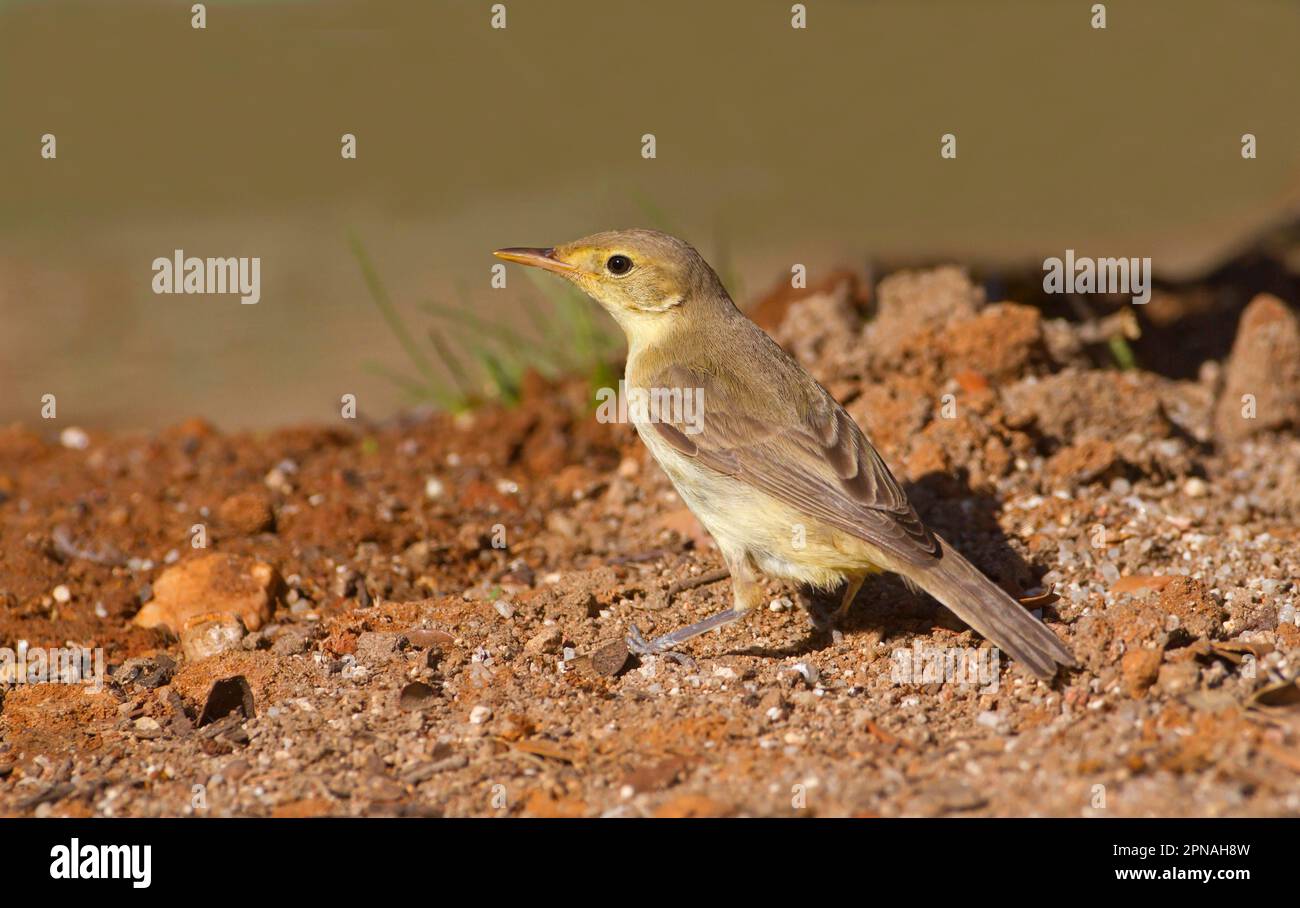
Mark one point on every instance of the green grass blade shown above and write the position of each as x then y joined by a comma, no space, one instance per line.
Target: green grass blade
389,311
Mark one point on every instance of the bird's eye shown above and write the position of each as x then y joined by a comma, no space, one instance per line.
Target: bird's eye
619,264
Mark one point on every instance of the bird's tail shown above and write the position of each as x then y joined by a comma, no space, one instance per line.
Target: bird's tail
983,605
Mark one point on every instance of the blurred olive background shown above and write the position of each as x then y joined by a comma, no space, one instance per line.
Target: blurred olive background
774,146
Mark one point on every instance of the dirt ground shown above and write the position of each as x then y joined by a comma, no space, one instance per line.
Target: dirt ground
425,617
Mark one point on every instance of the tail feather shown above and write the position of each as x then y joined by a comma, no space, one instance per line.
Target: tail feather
987,608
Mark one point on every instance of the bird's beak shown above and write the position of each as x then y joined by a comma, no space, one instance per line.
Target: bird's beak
538,258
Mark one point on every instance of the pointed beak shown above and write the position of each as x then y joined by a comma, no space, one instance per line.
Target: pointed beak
538,258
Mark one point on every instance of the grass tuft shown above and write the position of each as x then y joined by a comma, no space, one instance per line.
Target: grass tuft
570,339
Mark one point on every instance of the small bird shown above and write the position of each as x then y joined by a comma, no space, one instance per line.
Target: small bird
775,469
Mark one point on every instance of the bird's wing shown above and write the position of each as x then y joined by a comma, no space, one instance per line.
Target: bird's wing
813,458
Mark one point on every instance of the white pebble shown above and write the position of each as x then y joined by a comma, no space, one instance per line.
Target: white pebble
74,438
480,714
61,594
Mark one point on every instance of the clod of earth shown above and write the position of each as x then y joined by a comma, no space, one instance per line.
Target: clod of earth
212,582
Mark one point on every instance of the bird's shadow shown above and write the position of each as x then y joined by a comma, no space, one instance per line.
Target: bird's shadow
967,519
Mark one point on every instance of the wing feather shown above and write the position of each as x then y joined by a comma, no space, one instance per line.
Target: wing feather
813,458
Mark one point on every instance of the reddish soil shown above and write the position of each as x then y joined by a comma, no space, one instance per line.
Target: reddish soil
438,628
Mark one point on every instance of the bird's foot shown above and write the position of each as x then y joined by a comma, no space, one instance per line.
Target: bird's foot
824,618
663,646
827,625
659,646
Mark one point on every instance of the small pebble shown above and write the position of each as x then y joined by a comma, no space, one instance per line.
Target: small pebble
74,438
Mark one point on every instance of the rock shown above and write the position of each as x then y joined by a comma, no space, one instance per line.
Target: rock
211,583
416,695
291,641
823,331
548,641
147,728
1139,669
374,646
1073,405
1265,364
573,597
228,697
1088,461
1137,582
1189,601
150,672
610,659
428,638
771,309
247,513
1001,343
177,718
933,296
209,635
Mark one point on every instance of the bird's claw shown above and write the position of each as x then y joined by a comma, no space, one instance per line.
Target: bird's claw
825,621
639,646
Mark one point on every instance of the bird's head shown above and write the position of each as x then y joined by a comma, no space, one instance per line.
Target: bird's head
647,280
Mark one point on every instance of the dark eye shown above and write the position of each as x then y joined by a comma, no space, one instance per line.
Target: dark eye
619,264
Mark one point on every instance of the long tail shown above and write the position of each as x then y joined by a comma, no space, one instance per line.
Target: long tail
983,605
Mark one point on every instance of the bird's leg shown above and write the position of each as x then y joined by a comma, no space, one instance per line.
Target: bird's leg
821,617
746,592
850,593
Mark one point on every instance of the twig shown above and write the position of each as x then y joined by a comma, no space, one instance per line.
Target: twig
690,583
661,600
